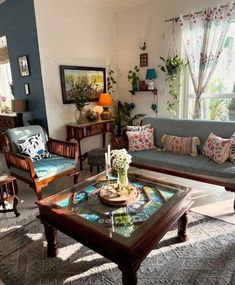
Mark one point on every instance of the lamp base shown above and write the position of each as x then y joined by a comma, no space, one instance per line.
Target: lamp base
106,115
151,85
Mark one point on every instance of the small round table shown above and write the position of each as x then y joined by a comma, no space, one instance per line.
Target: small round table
8,191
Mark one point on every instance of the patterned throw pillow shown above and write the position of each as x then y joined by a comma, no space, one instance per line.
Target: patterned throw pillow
217,148
140,140
137,128
232,148
33,146
181,145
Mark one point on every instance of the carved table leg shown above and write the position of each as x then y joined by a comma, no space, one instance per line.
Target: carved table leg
182,227
52,241
129,277
15,203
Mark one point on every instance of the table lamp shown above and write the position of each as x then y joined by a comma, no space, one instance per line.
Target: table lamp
151,75
105,100
19,106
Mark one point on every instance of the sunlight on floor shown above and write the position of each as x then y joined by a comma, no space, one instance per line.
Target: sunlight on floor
7,229
91,271
35,237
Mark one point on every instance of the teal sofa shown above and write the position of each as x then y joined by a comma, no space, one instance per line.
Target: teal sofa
200,168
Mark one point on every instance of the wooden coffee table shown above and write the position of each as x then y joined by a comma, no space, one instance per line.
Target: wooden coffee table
124,234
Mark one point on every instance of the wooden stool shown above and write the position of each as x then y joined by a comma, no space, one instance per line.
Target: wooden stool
8,191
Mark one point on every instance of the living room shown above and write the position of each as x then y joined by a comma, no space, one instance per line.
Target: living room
111,35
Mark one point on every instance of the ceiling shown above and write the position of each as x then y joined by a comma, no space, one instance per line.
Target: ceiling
116,4
111,4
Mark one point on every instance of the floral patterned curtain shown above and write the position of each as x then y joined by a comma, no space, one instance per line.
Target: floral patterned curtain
204,35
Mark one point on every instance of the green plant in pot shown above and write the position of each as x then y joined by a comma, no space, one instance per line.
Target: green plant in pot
80,93
124,116
172,67
134,78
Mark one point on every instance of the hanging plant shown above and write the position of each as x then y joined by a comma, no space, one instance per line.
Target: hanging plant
172,67
111,81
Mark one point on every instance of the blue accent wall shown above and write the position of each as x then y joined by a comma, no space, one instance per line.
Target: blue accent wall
18,24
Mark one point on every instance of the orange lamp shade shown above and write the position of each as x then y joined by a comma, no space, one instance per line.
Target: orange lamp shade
105,100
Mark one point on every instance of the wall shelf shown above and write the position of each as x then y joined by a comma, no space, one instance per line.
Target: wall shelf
154,91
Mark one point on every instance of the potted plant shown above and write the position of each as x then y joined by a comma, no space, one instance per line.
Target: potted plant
173,65
81,93
133,78
124,118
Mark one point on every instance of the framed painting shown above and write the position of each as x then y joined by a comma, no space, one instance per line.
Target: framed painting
73,77
23,65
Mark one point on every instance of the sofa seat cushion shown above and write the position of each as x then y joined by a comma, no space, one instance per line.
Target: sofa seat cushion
52,165
200,165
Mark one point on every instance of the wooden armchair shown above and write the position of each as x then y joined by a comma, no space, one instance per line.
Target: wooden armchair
62,162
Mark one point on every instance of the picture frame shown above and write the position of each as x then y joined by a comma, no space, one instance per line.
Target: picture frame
26,89
142,85
143,59
72,75
23,65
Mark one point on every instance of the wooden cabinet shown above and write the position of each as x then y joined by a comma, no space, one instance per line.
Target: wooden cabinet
10,121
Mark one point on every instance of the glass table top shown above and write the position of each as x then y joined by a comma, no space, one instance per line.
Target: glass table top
84,202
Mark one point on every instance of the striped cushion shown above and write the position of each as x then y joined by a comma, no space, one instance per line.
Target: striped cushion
181,145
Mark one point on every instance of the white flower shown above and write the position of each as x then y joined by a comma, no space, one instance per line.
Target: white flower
120,158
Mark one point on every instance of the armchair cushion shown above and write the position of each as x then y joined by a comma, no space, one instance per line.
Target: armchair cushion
52,165
33,146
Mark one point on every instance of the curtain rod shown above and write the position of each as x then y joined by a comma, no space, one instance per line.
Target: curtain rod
176,19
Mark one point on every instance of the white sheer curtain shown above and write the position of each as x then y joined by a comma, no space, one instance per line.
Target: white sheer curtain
204,35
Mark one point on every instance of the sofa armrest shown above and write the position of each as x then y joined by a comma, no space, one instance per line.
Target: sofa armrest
20,161
67,149
120,142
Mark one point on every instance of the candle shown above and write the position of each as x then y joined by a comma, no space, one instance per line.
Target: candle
109,159
106,165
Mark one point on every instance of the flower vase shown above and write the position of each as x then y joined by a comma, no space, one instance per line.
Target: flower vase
80,116
122,179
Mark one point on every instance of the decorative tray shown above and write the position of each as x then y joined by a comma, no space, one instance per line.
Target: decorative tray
111,195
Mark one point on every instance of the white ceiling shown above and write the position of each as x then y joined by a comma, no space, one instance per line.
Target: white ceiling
116,4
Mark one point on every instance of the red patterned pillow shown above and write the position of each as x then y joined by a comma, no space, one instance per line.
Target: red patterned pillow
140,140
181,145
217,148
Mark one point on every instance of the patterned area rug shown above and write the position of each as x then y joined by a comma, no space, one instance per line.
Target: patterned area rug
207,258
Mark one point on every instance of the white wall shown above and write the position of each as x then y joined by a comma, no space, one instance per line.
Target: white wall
146,22
75,32
71,32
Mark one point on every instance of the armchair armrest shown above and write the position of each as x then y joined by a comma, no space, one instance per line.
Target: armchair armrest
67,149
20,161
120,142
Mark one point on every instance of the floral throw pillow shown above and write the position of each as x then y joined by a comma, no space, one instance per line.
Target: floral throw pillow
180,145
217,148
140,140
232,148
137,128
33,146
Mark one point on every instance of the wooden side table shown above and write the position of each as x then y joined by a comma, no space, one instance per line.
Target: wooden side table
82,131
8,191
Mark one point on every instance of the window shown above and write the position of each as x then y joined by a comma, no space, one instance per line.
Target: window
6,88
217,100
